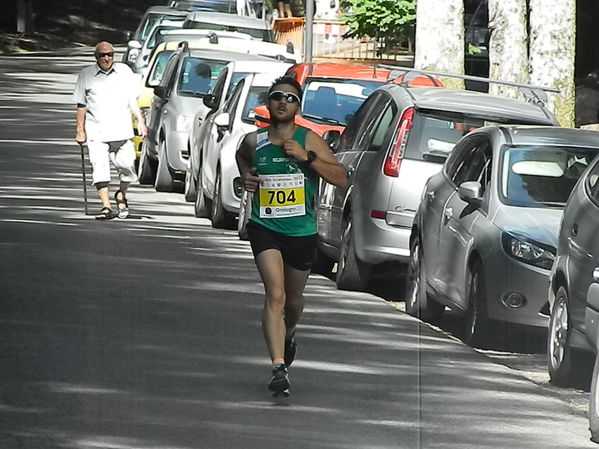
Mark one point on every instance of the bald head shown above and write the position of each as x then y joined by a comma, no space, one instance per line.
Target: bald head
104,53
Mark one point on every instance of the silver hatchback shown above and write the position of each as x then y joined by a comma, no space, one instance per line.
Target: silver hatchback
485,235
399,137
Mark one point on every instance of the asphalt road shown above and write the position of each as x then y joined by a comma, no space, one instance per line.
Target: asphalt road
145,333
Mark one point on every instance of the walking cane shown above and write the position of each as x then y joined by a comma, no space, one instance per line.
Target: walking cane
83,173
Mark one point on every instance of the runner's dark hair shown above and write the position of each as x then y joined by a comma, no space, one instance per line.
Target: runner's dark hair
286,79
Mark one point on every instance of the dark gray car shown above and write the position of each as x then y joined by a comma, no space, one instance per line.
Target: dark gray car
568,345
398,138
485,235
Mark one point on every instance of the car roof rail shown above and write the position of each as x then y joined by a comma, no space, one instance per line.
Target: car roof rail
533,94
213,38
183,46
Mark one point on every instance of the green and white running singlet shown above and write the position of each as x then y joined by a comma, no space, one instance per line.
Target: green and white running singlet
284,201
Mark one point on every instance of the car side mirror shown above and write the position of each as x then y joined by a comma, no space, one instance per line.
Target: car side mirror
222,120
333,139
134,44
471,192
160,91
210,101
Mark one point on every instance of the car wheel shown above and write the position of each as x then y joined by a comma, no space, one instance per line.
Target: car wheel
245,210
418,303
563,362
476,323
164,180
594,404
202,204
190,187
221,218
352,274
146,168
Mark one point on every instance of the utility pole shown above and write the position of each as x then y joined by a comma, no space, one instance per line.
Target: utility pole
308,31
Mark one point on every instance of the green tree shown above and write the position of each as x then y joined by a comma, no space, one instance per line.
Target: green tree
391,19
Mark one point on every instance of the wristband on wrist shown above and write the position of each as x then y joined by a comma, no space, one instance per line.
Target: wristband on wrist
311,157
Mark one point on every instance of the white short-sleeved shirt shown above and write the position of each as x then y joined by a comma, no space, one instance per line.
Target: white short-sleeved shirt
108,98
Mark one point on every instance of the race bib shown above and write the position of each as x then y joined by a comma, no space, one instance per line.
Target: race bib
282,196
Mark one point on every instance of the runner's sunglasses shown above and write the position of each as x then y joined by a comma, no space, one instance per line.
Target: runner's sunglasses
289,97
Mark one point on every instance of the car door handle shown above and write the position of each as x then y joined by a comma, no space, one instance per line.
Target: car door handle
574,230
430,194
350,171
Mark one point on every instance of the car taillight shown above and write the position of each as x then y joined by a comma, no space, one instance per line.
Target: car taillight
382,214
393,160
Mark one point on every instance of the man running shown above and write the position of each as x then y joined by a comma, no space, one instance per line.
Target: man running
282,165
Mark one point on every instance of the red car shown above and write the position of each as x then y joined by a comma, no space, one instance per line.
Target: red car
333,92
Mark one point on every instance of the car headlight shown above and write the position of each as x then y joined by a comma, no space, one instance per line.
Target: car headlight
184,123
528,251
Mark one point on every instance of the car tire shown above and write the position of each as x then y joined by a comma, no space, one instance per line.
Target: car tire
202,204
245,210
191,190
594,404
164,180
476,322
352,274
564,363
220,217
146,168
418,303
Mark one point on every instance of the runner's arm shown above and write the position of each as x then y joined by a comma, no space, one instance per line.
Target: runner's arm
244,156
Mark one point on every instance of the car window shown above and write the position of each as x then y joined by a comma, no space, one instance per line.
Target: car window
168,79
219,86
433,135
158,68
368,127
198,75
351,131
457,165
383,133
160,30
592,183
256,97
233,102
336,101
537,176
237,76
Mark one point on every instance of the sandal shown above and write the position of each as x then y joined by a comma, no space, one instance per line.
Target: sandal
121,204
105,214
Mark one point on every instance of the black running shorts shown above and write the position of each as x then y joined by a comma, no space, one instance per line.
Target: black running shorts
297,252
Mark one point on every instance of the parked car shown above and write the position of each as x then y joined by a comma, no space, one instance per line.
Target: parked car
224,6
400,137
485,235
332,92
259,29
571,341
153,38
188,77
202,135
153,15
219,178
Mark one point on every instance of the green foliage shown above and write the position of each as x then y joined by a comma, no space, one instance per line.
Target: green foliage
380,18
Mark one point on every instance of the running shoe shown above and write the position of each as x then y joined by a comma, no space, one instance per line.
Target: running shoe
279,383
290,349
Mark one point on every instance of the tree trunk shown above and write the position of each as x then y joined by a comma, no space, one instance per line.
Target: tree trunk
24,17
552,51
440,38
508,52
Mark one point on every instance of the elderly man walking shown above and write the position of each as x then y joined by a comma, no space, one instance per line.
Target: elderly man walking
106,96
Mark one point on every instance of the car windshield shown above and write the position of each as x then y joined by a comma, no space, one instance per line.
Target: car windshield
157,69
256,97
157,35
198,75
542,176
151,20
257,34
335,101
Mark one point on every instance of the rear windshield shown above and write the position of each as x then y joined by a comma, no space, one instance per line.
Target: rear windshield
255,98
335,101
257,34
542,176
433,137
198,75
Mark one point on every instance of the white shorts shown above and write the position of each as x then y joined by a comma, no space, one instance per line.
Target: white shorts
123,158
